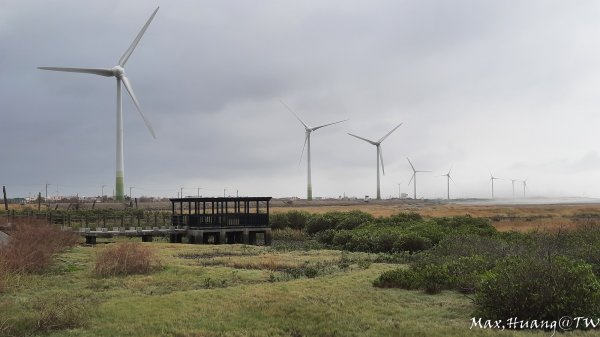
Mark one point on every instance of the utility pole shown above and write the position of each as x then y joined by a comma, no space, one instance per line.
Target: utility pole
47,192
181,192
5,200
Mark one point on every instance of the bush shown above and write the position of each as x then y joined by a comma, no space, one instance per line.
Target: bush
32,245
125,259
465,273
399,278
298,219
326,236
353,219
279,221
434,278
411,243
321,222
538,288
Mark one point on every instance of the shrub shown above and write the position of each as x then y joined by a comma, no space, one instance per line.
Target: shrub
279,221
298,219
32,245
125,259
466,272
353,219
326,236
538,288
434,278
321,222
399,278
411,243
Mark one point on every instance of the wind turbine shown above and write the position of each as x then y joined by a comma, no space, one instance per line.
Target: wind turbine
524,187
448,178
308,130
414,176
118,72
492,178
379,155
513,186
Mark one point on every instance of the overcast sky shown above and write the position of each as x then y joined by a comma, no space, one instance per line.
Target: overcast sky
507,87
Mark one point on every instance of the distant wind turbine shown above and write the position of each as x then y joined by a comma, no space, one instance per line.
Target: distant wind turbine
118,72
513,186
524,187
379,155
308,130
492,178
448,178
414,176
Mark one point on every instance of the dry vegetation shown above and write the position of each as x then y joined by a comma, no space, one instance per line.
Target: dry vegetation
126,258
32,245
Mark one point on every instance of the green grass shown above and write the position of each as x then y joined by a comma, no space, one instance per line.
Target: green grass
236,290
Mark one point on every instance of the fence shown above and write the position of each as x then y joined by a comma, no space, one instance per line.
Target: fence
87,220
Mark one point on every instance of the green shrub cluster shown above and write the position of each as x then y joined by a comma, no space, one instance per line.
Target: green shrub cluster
538,288
538,275
291,219
399,233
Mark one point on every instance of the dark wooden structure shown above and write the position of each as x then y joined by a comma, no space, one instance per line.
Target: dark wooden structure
222,220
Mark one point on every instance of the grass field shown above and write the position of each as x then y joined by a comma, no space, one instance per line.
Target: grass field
234,290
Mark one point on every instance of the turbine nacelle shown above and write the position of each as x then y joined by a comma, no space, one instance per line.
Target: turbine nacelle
118,71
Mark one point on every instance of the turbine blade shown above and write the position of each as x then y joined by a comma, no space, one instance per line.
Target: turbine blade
322,126
129,88
389,133
137,39
292,111
361,138
96,71
381,158
302,153
411,179
411,165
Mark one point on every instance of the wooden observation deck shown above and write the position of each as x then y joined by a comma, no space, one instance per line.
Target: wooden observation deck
222,220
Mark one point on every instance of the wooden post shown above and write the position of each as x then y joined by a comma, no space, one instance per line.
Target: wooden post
5,200
39,201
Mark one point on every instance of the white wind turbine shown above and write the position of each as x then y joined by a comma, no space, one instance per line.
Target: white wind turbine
118,72
524,187
448,178
414,177
513,185
492,178
379,155
308,130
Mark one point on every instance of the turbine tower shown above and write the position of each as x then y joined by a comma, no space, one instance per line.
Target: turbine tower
524,187
492,178
414,176
448,178
118,72
379,155
513,186
308,130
